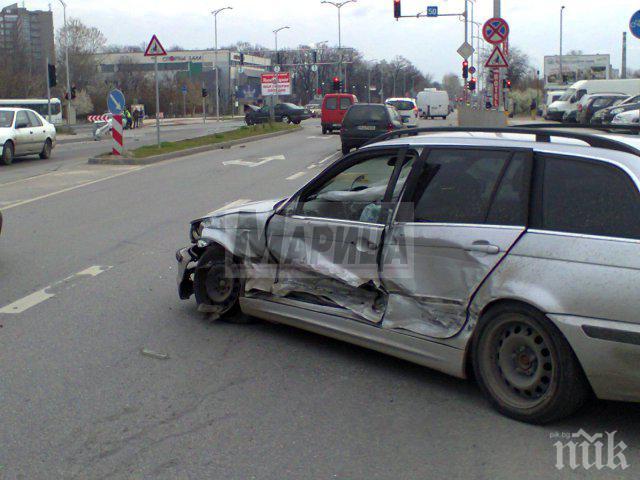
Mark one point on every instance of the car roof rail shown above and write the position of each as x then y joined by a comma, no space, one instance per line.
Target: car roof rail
542,131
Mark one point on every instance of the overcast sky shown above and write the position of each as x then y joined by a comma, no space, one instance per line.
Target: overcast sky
591,26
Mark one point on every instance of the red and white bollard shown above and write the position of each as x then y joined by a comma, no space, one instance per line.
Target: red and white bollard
118,135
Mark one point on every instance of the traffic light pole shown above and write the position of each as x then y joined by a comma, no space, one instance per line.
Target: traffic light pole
48,92
204,106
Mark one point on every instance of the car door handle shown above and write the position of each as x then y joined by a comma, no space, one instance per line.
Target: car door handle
483,246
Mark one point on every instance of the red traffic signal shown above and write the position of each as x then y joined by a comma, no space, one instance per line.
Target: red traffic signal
465,69
472,84
337,84
397,9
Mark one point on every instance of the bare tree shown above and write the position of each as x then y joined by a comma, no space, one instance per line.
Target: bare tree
84,44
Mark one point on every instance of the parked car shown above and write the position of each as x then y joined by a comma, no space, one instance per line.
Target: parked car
334,108
570,116
407,109
284,112
315,109
365,121
590,104
607,115
450,250
551,96
627,118
24,132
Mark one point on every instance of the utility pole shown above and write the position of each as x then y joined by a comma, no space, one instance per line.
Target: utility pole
339,6
66,54
561,26
623,69
277,99
215,64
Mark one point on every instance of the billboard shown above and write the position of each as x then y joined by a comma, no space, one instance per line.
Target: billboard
576,67
276,84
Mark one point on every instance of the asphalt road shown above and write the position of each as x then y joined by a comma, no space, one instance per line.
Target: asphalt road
87,271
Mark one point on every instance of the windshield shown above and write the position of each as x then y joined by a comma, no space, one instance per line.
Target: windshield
567,95
6,118
401,104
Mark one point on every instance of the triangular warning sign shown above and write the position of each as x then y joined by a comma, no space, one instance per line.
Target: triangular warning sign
155,48
497,59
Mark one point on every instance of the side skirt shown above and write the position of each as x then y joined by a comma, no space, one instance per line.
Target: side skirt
434,355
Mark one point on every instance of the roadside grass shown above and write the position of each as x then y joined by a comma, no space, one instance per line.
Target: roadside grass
238,134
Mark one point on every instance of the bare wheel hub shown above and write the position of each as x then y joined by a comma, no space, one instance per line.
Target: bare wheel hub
219,283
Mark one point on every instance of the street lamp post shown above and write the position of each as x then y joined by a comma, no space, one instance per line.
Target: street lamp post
275,33
561,25
339,6
215,64
66,55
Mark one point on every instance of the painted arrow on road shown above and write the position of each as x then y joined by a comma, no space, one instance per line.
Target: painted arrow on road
262,161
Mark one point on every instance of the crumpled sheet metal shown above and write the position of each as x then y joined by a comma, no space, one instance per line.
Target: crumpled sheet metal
240,233
365,301
432,317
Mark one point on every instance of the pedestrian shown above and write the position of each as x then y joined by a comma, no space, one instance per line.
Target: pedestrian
127,116
136,118
534,109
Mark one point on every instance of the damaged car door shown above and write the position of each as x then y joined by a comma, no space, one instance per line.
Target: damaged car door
460,214
327,239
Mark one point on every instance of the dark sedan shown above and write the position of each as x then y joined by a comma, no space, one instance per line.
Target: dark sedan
365,121
284,112
606,116
592,104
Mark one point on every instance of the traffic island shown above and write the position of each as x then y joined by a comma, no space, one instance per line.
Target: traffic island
148,154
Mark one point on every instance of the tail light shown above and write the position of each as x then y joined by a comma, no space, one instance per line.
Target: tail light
390,127
580,107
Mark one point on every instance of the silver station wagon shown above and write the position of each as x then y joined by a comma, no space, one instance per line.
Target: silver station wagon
510,255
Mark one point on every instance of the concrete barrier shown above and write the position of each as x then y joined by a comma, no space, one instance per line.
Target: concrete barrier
468,117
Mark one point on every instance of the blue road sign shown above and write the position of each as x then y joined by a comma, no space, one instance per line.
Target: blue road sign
634,24
115,102
184,89
432,11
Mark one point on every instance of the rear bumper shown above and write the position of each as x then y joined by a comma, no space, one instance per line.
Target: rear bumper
609,353
554,115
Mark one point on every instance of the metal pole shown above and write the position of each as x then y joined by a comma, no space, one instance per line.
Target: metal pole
340,45
623,70
155,64
369,85
215,65
204,106
496,8
184,104
276,74
48,92
466,38
66,54
561,26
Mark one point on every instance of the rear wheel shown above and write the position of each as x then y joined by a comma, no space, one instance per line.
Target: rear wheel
525,366
46,150
7,153
324,130
217,285
286,119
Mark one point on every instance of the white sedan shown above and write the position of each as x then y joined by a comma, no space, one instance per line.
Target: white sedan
627,118
24,132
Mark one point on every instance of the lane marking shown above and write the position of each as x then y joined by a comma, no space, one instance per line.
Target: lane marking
235,203
296,175
262,161
75,187
330,157
38,176
36,298
319,137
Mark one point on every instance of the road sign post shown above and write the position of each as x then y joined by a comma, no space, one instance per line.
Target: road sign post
496,32
117,132
155,50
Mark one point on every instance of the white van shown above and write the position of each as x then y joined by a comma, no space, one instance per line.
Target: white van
552,96
569,101
433,103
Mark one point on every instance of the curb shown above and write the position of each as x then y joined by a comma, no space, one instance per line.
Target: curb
187,152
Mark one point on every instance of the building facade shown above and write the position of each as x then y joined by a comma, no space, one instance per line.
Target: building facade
25,29
239,80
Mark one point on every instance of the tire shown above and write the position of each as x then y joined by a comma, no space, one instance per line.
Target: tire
286,119
324,131
8,153
297,122
46,150
248,121
217,285
526,367
345,149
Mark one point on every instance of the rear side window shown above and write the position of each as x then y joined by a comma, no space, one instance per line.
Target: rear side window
33,118
366,114
345,103
588,197
458,186
331,103
22,119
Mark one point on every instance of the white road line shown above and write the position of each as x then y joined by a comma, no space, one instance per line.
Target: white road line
235,203
75,187
330,157
296,175
27,179
312,166
36,298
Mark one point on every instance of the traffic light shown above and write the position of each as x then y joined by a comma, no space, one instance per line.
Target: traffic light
337,84
506,84
465,69
314,56
53,79
472,84
509,84
242,59
205,93
73,92
397,9
279,58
